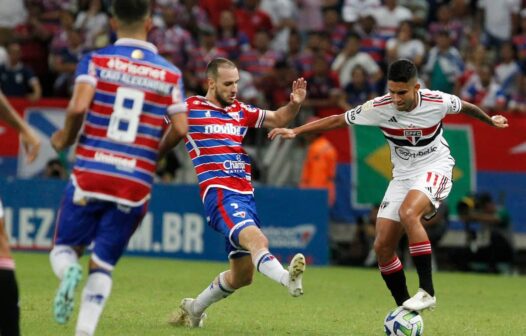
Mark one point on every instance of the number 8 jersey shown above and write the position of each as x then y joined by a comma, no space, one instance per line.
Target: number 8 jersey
117,149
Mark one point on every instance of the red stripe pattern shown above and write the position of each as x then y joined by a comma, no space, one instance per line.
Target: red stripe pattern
421,248
393,266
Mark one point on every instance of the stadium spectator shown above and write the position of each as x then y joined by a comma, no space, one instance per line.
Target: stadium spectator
229,38
421,178
310,12
120,132
517,102
420,11
444,64
499,20
350,57
174,42
519,39
251,19
9,305
334,28
215,8
372,42
193,18
55,169
319,167
59,41
93,23
277,88
227,192
483,90
195,75
508,71
16,79
406,45
260,59
324,88
283,14
358,90
492,243
475,58
446,22
64,62
389,16
353,9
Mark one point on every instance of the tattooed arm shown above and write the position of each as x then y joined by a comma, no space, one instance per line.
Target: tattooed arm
476,112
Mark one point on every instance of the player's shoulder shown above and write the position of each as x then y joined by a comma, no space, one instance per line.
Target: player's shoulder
433,96
380,101
198,103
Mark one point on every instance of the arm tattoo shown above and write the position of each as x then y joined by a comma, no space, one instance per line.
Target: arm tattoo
475,112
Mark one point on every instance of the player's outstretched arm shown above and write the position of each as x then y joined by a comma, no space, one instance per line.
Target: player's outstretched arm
78,105
177,131
324,124
30,140
285,114
476,112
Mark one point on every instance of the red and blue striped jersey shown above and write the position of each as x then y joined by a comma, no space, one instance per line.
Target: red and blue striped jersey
117,149
214,142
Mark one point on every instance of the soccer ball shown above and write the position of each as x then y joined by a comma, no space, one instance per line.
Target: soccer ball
403,322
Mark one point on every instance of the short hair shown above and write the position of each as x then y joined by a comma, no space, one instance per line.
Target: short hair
216,63
402,70
130,11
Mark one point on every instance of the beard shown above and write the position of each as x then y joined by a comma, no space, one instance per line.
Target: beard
222,101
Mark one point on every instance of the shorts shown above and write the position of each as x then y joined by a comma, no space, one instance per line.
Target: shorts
229,212
108,225
436,186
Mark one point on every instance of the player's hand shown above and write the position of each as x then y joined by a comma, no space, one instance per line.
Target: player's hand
499,121
285,133
31,144
57,140
299,91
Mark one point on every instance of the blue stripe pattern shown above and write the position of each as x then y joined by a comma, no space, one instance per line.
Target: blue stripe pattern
112,146
110,168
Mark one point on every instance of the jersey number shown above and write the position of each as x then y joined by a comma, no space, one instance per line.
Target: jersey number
124,120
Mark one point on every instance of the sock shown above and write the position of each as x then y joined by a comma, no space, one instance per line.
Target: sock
421,254
219,289
269,266
394,277
94,296
9,309
61,257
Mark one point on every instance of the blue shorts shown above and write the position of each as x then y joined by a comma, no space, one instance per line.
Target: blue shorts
108,225
229,212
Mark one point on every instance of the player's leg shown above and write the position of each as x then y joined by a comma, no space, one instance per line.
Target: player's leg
388,234
117,223
9,309
422,200
74,230
240,274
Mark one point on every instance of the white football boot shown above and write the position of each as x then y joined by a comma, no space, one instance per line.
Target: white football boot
185,315
296,269
420,301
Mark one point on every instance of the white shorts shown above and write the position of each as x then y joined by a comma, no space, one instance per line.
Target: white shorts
436,186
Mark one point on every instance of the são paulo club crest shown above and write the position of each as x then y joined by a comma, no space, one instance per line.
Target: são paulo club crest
413,135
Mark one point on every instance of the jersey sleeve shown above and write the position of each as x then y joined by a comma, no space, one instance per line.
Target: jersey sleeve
254,116
178,103
452,103
86,72
363,115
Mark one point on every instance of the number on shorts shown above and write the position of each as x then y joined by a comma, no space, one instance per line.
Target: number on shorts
124,120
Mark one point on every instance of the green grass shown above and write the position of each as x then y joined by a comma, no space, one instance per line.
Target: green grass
337,301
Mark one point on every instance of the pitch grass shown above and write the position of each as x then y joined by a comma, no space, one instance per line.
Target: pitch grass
337,301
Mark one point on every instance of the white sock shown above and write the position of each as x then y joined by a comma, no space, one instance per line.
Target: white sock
219,289
94,296
269,266
61,257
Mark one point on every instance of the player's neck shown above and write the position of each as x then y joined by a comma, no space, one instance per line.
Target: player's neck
132,35
212,99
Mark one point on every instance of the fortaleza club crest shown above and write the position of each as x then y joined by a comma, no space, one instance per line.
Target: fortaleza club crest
413,135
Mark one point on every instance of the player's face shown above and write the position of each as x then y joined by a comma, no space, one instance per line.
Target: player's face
225,85
403,94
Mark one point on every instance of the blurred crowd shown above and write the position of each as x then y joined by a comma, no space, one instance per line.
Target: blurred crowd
473,48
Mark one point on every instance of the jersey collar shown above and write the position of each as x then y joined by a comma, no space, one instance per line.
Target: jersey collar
136,43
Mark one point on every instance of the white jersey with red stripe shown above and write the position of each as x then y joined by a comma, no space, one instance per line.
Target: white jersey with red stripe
414,137
214,143
117,149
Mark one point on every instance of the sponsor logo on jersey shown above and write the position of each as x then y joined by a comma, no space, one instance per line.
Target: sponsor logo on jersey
354,112
413,135
234,166
234,115
137,54
240,214
248,108
455,106
119,162
384,205
223,129
393,119
120,65
406,154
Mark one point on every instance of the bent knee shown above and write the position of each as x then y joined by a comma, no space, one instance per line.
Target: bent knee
407,214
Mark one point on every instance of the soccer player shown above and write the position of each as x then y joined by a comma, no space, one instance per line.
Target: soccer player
9,310
217,126
121,95
411,121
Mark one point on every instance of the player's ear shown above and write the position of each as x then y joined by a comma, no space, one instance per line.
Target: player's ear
148,24
417,86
